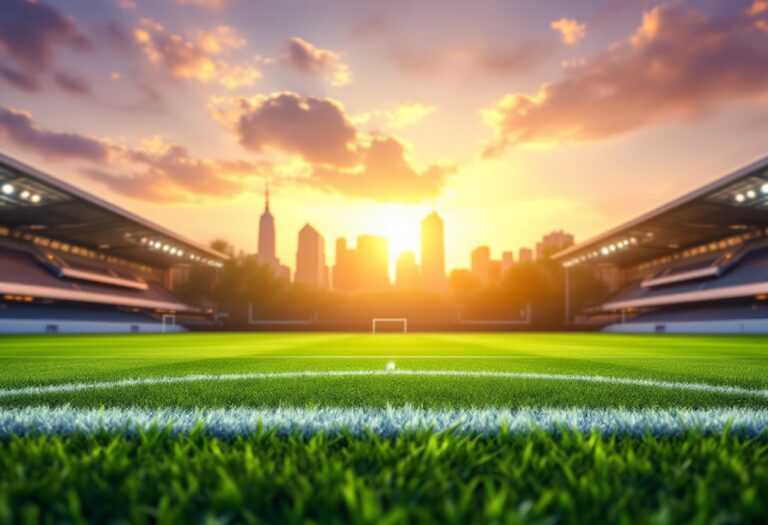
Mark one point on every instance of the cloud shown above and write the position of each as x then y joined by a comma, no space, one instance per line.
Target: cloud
196,58
161,172
384,174
31,31
307,58
18,127
72,83
317,130
155,170
19,79
571,31
758,7
340,158
679,64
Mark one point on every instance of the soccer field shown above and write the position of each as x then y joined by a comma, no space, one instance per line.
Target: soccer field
336,427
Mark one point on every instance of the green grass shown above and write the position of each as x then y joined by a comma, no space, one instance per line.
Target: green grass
26,361
414,478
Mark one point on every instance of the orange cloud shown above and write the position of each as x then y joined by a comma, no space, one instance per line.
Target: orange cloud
571,31
340,157
307,58
677,65
384,174
196,58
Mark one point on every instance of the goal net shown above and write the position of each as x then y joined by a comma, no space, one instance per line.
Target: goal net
390,325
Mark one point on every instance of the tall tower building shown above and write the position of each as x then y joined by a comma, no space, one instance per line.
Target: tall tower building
310,258
432,252
266,252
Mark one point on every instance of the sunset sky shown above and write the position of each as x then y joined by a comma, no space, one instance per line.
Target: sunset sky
514,118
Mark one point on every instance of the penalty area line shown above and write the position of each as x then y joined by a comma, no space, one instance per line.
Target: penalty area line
385,422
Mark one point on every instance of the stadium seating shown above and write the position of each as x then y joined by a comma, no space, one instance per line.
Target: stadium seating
22,271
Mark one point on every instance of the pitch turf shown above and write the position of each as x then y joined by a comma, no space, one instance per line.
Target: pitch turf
669,428
734,361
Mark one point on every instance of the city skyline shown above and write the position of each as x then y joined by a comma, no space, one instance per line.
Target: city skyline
514,118
371,265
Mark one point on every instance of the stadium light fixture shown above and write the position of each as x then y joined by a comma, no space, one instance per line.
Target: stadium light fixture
739,197
751,194
764,188
8,188
25,194
35,198
604,251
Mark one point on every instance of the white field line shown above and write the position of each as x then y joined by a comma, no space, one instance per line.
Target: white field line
167,380
231,422
372,356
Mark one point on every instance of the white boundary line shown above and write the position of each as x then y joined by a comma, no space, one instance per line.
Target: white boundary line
165,380
232,422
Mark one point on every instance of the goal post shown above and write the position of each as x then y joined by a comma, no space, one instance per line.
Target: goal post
389,320
169,320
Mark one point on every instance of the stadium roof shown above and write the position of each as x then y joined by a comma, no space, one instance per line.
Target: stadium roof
35,202
733,204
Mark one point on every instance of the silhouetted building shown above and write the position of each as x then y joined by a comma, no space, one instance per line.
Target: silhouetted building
310,258
345,269
552,243
366,268
432,253
481,260
407,271
266,251
525,255
507,261
494,271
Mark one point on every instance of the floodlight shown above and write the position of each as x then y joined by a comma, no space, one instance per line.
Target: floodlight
24,194
35,198
8,188
764,188
751,194
739,197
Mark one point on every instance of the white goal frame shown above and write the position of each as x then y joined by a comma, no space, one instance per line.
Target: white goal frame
171,318
402,320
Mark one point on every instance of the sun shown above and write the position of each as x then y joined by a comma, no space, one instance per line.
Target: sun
401,226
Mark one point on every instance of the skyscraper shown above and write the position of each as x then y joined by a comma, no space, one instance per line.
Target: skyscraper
345,269
432,253
481,263
310,258
266,253
525,255
507,261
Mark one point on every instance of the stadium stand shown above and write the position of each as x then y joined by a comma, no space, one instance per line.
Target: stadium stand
73,263
698,264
